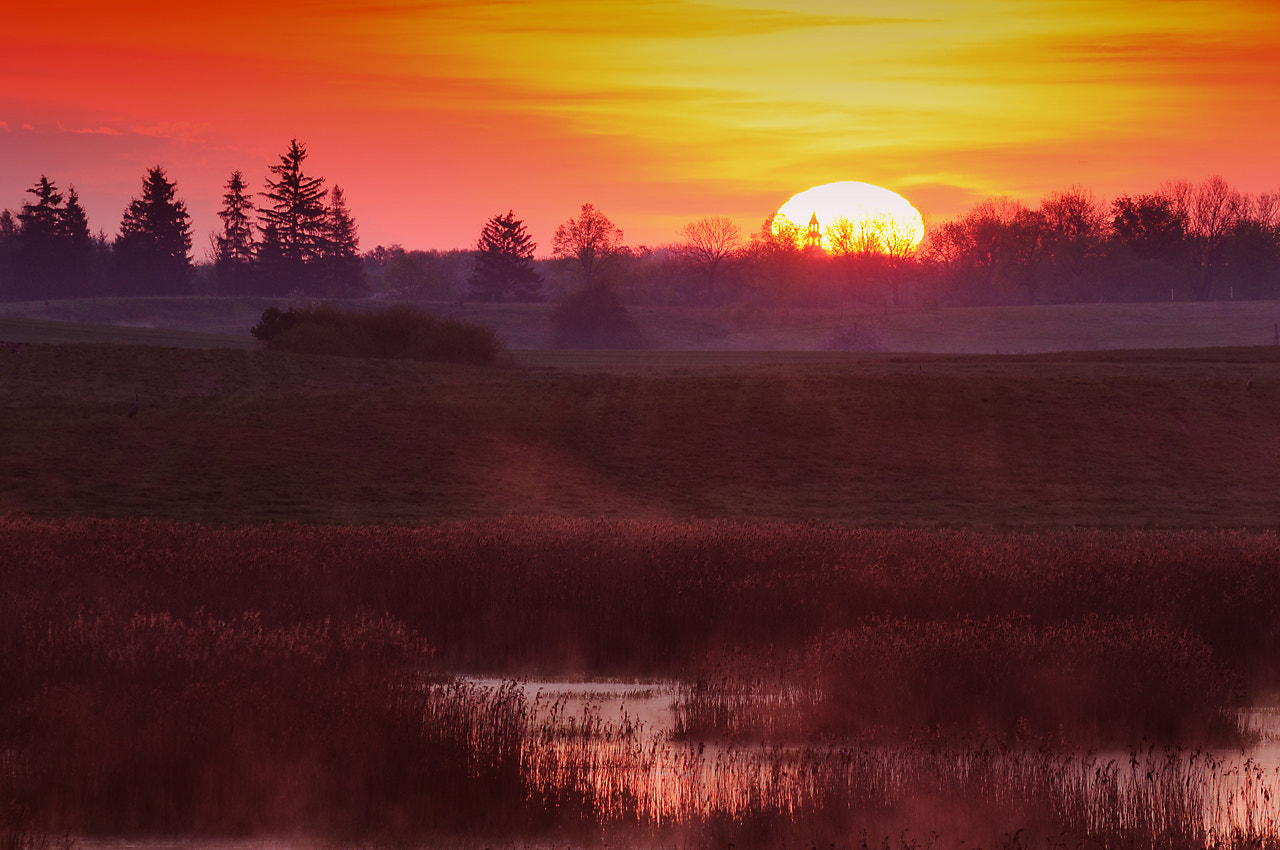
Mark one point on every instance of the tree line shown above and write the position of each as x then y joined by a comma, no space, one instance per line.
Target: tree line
1205,241
299,238
1183,241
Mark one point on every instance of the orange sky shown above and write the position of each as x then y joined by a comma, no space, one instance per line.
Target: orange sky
434,115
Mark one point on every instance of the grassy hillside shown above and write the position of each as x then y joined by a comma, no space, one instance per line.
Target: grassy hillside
1110,439
737,327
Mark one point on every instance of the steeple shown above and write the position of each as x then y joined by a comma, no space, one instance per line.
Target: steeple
813,236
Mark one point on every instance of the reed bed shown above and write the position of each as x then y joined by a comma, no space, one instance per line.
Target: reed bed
1080,684
606,598
154,724
952,792
162,677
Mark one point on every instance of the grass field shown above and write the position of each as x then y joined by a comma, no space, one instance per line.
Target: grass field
733,327
1169,439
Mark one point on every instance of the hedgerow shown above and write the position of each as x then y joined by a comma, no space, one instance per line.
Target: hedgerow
397,332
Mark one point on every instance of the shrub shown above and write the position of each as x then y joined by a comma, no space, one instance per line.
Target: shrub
273,323
594,317
852,338
398,332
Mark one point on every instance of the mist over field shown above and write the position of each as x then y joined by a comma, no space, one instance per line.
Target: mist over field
732,327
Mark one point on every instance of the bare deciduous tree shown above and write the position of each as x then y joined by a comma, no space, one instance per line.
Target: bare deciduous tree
591,239
1212,210
709,243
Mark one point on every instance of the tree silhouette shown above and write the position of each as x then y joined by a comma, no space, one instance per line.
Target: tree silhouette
234,247
1150,226
592,316
709,243
340,252
8,249
153,251
503,268
853,238
1252,258
294,223
591,240
50,250
853,246
40,238
775,260
991,252
1075,234
273,272
1212,210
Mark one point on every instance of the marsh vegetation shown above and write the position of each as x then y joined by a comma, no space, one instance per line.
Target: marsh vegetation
942,658
834,682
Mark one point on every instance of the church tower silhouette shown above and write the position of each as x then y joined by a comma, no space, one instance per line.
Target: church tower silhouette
813,236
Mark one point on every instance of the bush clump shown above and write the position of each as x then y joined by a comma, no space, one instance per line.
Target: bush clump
399,332
852,338
594,317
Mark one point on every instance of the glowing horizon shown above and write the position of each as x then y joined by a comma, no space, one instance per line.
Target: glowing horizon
872,213
434,116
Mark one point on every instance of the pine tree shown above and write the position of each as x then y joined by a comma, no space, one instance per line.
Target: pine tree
40,221
73,224
297,215
233,248
37,260
51,249
503,262
79,254
153,251
272,271
8,251
344,270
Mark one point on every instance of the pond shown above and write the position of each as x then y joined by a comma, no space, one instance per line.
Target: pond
603,749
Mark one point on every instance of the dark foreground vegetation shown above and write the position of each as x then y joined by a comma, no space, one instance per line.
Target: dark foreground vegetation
295,679
400,332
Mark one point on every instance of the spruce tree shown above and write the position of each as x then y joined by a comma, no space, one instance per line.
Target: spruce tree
503,262
153,252
79,254
296,214
8,249
344,270
272,271
51,246
234,248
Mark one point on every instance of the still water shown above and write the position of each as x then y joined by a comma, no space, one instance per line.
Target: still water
660,781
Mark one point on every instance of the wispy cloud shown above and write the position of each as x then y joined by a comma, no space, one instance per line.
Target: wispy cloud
731,99
97,131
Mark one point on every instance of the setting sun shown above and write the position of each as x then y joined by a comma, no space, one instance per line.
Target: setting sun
849,216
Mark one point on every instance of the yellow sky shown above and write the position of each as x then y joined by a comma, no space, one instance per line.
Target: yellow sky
435,115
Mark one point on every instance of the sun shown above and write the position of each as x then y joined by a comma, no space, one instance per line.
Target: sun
855,216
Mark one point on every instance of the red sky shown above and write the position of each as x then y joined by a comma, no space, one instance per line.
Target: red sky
437,114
